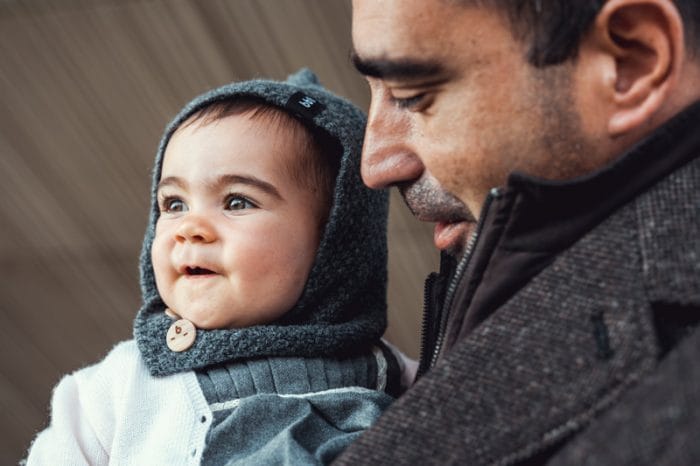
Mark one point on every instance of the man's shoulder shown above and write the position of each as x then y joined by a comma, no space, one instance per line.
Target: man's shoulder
655,423
669,227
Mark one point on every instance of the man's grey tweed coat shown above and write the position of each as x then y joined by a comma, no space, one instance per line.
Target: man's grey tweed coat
535,383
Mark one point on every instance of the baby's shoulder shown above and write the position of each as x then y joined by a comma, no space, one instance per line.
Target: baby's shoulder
123,363
124,353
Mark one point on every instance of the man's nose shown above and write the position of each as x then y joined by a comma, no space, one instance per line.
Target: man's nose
195,228
387,155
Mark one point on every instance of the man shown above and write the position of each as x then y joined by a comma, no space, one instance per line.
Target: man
560,137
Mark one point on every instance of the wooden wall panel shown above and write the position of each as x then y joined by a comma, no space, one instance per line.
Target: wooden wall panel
86,87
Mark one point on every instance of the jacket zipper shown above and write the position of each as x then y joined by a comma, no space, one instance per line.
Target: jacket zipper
444,313
426,329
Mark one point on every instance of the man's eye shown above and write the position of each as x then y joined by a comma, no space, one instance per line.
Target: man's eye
408,102
173,204
237,202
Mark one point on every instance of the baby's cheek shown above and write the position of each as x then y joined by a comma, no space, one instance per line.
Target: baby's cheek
159,260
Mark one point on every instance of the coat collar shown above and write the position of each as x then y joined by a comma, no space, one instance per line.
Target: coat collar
550,215
534,220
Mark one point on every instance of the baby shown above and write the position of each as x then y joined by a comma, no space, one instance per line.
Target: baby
263,273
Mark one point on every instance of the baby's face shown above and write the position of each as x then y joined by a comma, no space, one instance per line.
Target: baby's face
237,236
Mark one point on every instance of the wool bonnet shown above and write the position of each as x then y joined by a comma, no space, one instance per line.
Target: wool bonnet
343,306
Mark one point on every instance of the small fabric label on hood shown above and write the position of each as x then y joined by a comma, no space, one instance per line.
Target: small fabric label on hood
304,105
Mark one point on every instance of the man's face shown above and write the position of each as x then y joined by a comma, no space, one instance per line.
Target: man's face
456,107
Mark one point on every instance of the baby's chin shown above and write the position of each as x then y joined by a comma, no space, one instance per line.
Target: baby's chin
201,320
207,320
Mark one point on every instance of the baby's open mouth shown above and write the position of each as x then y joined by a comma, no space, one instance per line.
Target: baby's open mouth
198,271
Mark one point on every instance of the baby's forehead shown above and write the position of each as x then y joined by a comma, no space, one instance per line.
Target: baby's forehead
279,142
269,122
265,134
308,155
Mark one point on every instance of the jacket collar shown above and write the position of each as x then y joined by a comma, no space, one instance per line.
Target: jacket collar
550,215
534,220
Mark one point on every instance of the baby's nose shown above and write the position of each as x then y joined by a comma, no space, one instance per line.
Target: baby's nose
195,228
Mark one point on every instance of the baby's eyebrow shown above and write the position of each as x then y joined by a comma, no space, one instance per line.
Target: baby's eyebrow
224,180
248,180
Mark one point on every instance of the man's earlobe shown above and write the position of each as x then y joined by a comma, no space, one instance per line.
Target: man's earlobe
645,38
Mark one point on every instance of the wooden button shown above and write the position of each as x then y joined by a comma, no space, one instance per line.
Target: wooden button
181,335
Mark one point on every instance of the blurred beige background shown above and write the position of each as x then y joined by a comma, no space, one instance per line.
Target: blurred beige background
86,87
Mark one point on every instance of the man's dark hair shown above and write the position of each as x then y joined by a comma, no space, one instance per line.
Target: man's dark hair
552,29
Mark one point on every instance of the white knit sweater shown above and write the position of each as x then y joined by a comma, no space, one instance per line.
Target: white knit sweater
115,412
168,417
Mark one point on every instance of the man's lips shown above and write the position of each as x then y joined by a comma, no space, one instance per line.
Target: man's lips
451,235
430,202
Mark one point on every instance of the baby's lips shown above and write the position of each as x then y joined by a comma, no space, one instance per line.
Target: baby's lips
195,270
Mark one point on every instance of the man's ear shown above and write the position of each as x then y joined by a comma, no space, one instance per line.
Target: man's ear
644,39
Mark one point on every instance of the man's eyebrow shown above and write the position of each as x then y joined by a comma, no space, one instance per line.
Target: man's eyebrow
225,180
384,68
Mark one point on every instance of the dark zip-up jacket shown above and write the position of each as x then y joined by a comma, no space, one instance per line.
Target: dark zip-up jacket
570,309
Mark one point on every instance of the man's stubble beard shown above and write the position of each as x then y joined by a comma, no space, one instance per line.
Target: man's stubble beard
567,152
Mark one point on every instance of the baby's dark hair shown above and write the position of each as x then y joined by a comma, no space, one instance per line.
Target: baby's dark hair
317,165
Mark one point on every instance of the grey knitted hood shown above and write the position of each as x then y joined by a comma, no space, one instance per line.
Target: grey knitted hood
343,306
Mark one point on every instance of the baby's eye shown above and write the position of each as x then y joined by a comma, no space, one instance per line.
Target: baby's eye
238,202
173,204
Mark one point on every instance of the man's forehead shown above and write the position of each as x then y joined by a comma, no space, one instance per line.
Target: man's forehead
416,39
410,31
392,28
